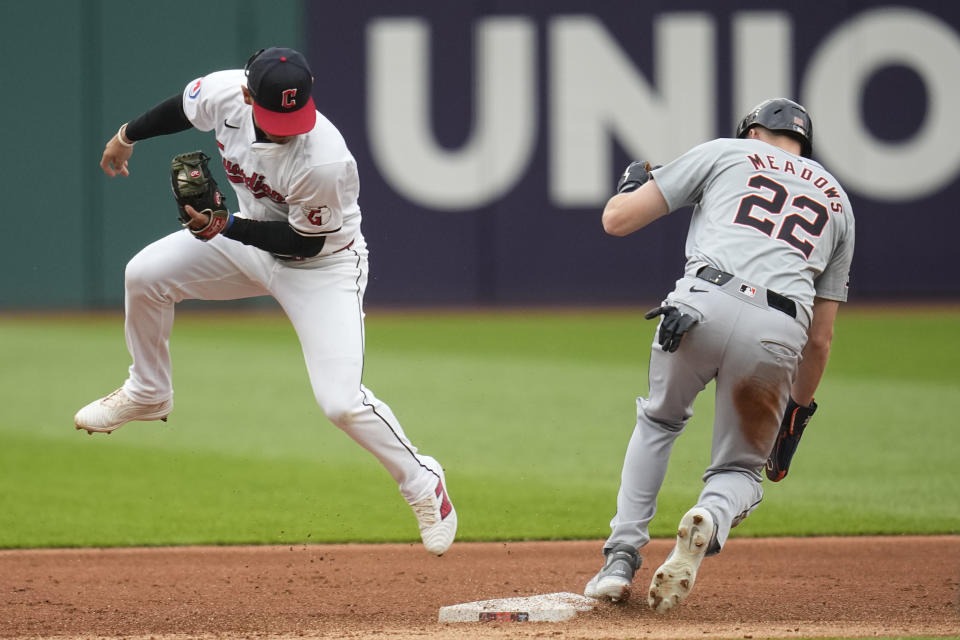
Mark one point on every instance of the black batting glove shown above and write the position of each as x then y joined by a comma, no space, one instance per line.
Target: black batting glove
635,176
674,326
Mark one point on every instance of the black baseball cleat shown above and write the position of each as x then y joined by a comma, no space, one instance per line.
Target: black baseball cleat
614,580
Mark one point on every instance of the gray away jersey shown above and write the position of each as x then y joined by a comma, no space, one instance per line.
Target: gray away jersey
768,216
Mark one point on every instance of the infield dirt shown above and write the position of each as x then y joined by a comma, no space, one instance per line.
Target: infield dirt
756,588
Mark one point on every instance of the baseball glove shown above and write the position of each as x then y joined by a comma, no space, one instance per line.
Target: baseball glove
194,185
635,176
795,419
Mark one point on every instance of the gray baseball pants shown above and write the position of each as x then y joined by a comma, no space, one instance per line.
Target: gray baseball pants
752,352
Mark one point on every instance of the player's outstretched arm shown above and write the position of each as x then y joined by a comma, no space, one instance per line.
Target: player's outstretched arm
116,154
165,118
801,406
816,352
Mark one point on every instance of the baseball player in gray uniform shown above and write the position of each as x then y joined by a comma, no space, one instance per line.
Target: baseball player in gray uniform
296,237
768,256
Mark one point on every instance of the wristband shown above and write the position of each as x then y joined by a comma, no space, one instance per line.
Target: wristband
128,145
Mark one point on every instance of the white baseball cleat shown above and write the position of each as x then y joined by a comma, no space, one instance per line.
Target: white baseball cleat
112,411
614,579
674,579
436,516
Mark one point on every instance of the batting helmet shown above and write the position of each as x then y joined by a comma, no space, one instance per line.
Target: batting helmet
785,116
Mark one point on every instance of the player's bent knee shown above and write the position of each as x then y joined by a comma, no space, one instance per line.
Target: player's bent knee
339,413
148,267
343,419
660,422
146,278
138,275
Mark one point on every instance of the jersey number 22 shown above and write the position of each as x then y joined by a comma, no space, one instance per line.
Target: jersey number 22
788,224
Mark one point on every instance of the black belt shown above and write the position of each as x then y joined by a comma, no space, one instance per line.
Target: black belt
774,299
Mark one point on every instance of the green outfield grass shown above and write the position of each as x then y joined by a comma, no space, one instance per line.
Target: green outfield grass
530,413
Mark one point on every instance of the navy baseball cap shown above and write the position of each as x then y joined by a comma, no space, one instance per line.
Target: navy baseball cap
280,81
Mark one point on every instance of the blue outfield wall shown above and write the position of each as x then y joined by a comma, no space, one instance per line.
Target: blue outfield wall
489,135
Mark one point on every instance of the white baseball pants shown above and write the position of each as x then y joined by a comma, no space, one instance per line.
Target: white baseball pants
324,301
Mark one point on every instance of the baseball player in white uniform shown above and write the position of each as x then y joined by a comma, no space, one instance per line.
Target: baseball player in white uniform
768,256
296,238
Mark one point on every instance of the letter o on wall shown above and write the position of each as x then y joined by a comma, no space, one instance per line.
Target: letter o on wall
833,86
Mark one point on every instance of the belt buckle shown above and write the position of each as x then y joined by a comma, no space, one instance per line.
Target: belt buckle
711,275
